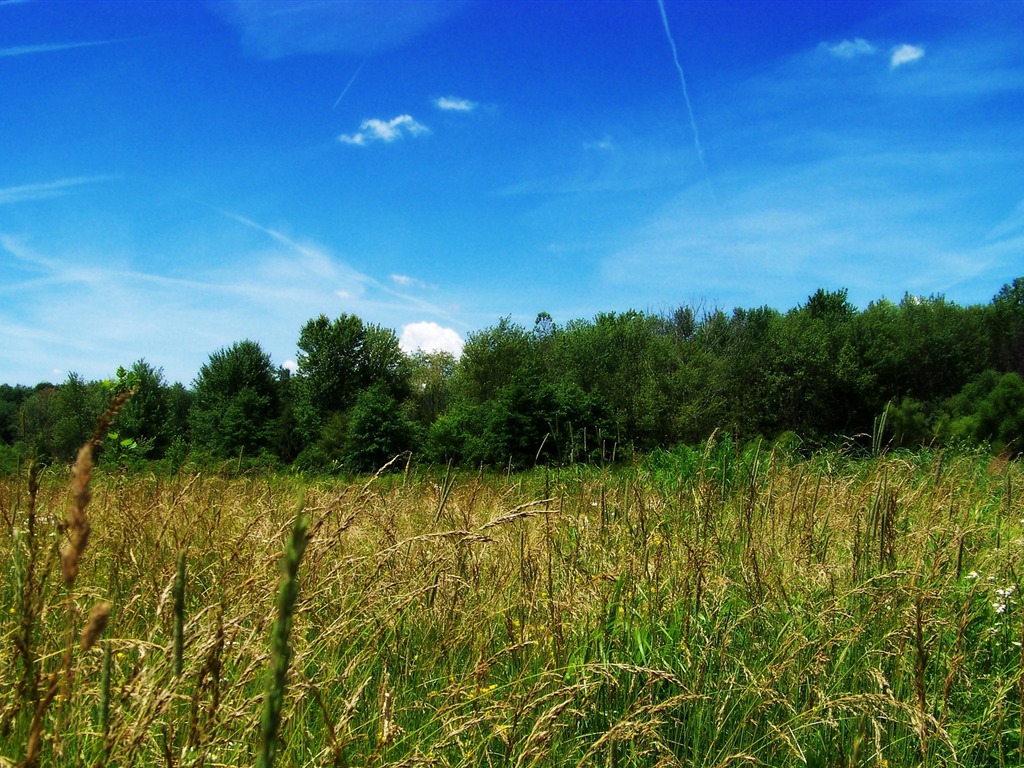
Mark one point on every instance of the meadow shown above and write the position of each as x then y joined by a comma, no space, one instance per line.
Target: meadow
705,607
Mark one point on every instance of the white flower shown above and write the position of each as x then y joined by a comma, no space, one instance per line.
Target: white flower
998,607
973,575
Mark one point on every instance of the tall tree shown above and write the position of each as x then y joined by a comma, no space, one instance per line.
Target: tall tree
235,404
11,399
146,417
1007,323
76,407
338,360
330,376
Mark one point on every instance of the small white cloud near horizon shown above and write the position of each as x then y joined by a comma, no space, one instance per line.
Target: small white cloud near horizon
850,49
291,366
430,337
904,54
454,104
387,131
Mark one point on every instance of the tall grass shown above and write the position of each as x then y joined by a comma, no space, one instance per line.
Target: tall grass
729,608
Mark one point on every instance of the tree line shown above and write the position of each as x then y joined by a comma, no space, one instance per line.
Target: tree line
921,371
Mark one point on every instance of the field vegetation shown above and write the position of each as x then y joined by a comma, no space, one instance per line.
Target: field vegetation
594,390
710,606
673,539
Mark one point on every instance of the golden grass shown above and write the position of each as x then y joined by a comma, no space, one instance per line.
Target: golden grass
821,612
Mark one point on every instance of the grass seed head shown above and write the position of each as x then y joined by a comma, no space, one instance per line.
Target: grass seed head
97,622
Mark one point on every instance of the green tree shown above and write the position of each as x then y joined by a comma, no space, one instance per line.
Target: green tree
378,430
382,362
629,369
1007,326
430,383
146,417
36,419
329,370
491,357
235,404
989,408
76,407
337,361
11,399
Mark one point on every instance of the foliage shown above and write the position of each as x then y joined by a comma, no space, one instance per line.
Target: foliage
146,419
921,371
377,431
990,408
338,360
1007,326
11,399
235,402
76,407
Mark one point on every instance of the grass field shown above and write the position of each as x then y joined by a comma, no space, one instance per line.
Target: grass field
699,609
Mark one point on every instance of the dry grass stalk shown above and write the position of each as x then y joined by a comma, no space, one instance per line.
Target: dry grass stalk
78,529
77,525
98,618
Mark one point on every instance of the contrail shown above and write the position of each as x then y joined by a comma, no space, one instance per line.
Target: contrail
686,95
352,80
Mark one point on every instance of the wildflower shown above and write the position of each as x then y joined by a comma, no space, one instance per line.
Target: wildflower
999,607
973,576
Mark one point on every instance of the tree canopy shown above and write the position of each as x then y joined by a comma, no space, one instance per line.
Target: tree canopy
929,369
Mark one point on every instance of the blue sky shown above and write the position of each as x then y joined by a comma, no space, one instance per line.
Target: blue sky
175,177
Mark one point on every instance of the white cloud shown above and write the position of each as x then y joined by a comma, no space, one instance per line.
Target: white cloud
602,145
850,49
455,104
384,130
904,54
430,337
290,365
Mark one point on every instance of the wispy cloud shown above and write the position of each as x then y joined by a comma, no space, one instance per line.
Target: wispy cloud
686,94
277,28
259,289
454,104
386,131
25,50
828,223
47,189
1011,225
904,54
405,281
603,144
849,49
